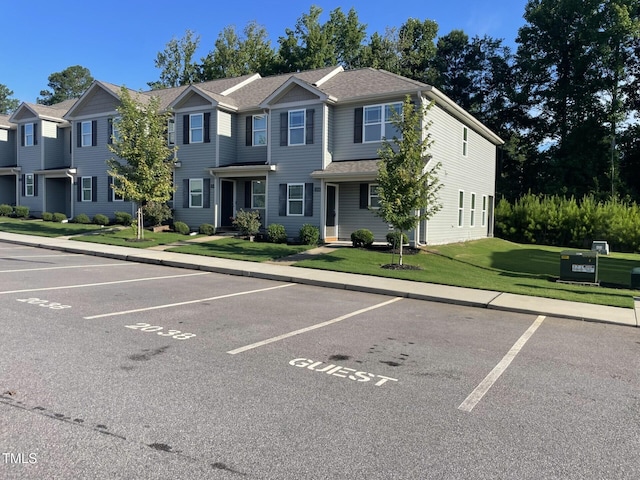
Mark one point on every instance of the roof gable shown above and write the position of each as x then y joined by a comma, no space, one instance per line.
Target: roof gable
295,90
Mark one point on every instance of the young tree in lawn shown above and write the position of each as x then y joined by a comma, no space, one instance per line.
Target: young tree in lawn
143,169
407,185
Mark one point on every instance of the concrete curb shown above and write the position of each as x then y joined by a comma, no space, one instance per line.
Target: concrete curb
346,281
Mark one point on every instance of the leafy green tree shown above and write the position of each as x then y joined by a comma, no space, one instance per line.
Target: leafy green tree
381,52
347,36
143,169
7,104
417,48
70,83
407,186
234,56
176,62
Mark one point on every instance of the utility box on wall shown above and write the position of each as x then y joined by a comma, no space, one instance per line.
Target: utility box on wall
579,266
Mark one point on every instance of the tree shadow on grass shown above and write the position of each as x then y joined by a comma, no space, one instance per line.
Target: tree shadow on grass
42,229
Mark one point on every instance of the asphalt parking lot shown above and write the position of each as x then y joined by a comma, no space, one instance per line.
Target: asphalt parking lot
114,369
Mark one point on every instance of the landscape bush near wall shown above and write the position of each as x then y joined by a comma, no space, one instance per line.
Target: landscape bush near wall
567,222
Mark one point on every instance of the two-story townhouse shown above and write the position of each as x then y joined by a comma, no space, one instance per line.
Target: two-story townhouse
9,170
43,157
298,148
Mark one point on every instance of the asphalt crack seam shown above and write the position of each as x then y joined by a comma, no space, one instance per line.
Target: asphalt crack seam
100,428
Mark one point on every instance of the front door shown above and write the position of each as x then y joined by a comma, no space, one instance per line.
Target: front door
226,203
331,213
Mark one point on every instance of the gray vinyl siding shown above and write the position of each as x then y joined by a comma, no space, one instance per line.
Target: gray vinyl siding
91,161
297,94
196,159
227,133
474,173
54,145
30,159
7,148
248,153
294,165
343,121
351,217
8,189
97,103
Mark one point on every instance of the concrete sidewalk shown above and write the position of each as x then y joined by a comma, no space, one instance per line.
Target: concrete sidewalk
349,281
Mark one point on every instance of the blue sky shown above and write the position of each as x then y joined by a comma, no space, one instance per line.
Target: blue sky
118,40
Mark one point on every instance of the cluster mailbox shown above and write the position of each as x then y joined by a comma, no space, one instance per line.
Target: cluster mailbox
579,266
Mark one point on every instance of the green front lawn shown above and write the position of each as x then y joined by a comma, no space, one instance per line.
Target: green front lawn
239,249
125,237
44,229
493,264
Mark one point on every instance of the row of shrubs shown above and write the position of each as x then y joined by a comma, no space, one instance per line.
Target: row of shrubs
568,222
248,223
19,211
363,238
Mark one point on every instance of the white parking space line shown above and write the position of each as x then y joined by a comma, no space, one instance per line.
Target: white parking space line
39,256
312,327
480,391
99,265
169,305
115,282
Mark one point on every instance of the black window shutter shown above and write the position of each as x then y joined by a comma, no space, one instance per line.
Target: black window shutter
357,125
110,131
247,194
282,200
248,140
35,185
310,113
110,189
207,128
94,189
206,186
364,195
308,199
284,129
185,193
185,131
79,134
79,189
35,133
94,133
22,135
24,185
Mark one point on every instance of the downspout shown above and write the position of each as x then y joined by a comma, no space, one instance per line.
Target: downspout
70,192
17,171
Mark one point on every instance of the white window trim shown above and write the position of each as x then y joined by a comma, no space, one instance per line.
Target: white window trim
371,195
29,184
28,137
484,211
290,200
253,195
465,141
472,210
115,133
85,189
191,181
254,130
88,134
382,123
114,196
303,127
460,208
192,128
171,131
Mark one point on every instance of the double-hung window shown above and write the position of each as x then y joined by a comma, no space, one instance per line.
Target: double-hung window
378,122
374,200
171,132
295,199
117,183
472,211
465,141
196,193
87,134
484,211
196,128
258,194
460,208
87,187
28,135
297,127
29,185
259,130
